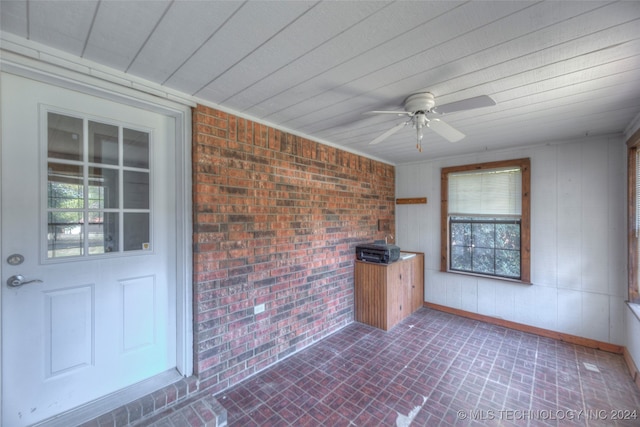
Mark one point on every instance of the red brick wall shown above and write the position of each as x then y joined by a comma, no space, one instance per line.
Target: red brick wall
276,221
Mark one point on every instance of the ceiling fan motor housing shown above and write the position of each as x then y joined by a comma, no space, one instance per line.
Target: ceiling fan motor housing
419,102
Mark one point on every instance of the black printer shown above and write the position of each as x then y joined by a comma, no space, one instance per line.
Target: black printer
380,253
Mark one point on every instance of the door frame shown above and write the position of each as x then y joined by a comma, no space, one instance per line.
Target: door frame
181,113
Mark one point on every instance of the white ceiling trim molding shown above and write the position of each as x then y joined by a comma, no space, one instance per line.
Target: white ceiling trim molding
26,57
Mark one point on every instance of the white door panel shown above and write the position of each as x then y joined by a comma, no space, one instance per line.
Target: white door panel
103,317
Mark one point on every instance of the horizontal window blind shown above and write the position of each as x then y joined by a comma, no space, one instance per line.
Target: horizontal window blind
493,192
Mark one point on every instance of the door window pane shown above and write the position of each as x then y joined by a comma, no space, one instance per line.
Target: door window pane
136,190
136,231
64,137
65,234
103,232
103,143
136,148
103,188
65,187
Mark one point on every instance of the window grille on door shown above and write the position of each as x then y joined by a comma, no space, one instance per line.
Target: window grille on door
97,188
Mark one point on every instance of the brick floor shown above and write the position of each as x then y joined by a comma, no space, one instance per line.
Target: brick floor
433,369
438,369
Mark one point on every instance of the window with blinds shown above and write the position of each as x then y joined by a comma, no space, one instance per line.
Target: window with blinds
484,219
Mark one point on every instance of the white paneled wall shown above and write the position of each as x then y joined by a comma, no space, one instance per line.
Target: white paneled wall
578,239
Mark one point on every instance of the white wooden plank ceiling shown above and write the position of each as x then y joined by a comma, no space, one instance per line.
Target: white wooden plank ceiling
557,70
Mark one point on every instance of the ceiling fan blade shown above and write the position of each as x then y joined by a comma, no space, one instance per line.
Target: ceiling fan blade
444,130
400,113
465,104
390,132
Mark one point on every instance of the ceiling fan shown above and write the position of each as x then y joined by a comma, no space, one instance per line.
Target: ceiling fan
420,106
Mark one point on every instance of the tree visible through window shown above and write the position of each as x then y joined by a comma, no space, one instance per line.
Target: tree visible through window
485,245
485,216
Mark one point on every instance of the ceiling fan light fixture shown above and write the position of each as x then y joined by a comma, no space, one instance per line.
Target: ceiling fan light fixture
420,121
418,105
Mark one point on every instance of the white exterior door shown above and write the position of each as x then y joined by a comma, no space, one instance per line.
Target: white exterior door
88,214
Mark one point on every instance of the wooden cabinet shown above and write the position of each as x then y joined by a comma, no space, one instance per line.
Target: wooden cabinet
387,293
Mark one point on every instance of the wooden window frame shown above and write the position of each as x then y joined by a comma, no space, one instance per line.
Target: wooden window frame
633,145
525,233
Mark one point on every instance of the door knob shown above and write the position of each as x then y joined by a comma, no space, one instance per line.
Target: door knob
18,280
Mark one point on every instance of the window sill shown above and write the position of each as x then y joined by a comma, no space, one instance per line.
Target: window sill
635,308
484,276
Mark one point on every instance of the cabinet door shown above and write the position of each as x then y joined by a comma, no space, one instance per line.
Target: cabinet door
370,297
396,302
407,280
417,283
